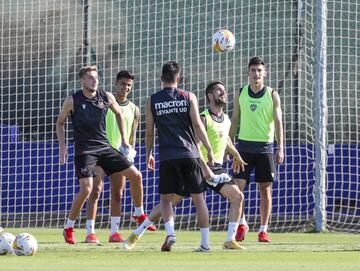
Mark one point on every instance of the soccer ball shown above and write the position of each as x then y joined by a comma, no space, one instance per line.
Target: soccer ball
223,41
25,244
6,243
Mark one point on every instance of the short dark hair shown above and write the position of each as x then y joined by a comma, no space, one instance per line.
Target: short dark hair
84,70
256,61
169,71
125,74
210,87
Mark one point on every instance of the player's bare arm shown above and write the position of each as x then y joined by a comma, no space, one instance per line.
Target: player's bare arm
208,174
149,135
134,127
199,127
235,118
114,106
238,163
67,109
279,134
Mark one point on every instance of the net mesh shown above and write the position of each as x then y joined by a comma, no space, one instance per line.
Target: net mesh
44,44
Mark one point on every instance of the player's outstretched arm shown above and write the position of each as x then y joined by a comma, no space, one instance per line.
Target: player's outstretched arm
68,107
208,174
114,106
134,127
279,134
149,135
238,163
199,127
235,118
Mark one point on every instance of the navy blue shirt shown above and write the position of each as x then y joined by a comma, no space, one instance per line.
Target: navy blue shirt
88,121
171,112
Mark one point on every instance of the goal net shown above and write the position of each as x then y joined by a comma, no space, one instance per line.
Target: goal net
44,44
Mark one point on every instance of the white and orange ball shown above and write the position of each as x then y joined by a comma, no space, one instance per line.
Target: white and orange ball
223,41
6,243
25,244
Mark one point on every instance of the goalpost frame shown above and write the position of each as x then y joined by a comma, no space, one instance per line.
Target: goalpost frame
321,114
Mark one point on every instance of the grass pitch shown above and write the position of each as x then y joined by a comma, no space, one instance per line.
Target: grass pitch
288,251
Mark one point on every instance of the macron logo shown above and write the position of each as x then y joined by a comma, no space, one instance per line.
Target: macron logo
170,107
170,104
83,106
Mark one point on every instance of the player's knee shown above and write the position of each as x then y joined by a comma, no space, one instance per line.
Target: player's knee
137,176
116,197
241,196
95,195
85,191
265,191
237,198
265,196
199,201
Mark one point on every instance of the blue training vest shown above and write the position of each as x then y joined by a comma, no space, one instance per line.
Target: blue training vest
171,112
88,120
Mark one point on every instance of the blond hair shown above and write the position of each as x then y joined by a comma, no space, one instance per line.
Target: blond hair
84,70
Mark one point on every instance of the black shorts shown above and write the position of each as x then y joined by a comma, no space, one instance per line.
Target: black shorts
181,177
109,159
264,166
218,169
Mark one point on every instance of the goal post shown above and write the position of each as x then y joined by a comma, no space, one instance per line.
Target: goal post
44,44
320,117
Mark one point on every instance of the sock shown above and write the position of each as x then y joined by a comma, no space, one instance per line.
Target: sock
263,228
69,224
169,227
115,222
232,227
90,226
242,221
142,228
205,237
139,211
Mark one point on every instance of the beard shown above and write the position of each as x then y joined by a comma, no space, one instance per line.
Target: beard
219,102
92,89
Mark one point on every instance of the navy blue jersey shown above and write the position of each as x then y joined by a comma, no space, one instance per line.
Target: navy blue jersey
88,121
171,112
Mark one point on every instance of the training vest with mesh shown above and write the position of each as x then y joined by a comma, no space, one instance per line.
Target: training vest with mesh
217,133
256,117
112,128
171,112
88,120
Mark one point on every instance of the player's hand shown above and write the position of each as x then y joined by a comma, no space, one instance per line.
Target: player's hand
130,153
210,157
150,162
238,164
208,174
279,156
63,155
125,144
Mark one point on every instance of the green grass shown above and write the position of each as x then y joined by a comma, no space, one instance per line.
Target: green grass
288,251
